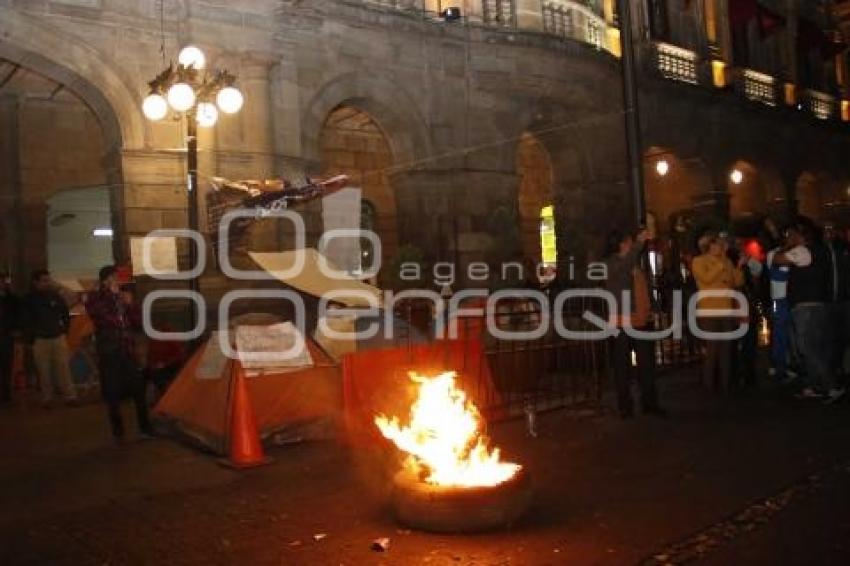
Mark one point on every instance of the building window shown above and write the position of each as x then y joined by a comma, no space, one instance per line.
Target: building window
659,26
548,248
557,20
500,13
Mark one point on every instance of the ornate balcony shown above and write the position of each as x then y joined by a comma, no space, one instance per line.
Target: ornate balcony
676,63
576,20
758,87
820,104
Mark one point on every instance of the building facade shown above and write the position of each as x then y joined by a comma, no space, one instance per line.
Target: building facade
460,132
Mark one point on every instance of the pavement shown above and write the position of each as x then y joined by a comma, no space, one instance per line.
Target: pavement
753,479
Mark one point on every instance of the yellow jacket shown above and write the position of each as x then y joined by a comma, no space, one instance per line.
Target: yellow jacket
714,273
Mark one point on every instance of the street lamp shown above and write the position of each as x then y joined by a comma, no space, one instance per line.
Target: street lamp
736,176
189,89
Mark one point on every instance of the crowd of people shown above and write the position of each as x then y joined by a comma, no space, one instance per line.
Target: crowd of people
40,322
802,285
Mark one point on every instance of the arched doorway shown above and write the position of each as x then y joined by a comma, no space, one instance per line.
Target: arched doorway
52,142
822,197
352,143
749,193
673,186
535,201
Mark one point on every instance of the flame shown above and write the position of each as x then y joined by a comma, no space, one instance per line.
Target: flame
443,439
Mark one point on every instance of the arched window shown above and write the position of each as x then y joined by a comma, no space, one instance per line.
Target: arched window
548,247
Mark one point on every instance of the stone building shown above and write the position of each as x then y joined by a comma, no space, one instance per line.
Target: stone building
460,132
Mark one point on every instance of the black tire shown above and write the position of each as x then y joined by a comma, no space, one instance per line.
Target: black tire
439,509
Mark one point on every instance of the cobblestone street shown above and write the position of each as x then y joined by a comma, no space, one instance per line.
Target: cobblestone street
738,481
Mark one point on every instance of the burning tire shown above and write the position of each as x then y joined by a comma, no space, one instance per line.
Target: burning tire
454,509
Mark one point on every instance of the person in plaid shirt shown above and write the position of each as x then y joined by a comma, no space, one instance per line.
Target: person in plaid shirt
114,319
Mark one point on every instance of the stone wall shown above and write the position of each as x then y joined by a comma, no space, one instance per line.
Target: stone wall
452,101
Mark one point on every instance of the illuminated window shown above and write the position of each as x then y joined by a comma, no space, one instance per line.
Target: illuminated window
548,249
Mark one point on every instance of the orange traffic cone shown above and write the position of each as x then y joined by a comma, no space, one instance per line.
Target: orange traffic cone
246,451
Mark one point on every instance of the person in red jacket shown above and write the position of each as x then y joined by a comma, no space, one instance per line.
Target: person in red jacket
114,319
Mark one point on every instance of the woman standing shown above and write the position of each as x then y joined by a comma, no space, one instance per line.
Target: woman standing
714,271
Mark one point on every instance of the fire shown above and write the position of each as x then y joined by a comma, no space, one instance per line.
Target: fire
443,439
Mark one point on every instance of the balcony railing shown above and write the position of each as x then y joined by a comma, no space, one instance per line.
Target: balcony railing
676,63
758,87
820,104
576,20
682,65
500,13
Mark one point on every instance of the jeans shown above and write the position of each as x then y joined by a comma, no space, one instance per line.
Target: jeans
841,336
621,362
51,360
7,362
813,337
780,343
120,378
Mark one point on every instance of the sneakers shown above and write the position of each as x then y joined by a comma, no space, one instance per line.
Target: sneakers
834,395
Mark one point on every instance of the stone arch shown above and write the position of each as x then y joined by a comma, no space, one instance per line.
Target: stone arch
88,75
382,99
83,70
822,197
536,191
674,184
351,142
587,177
748,197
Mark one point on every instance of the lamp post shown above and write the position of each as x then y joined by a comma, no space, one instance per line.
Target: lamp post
632,110
189,90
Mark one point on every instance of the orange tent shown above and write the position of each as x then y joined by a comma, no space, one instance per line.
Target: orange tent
289,405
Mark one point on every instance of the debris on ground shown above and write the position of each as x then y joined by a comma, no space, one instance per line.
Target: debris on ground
381,544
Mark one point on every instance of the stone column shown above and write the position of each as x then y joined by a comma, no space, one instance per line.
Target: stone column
284,103
529,15
460,216
11,228
790,51
472,9
715,202
790,176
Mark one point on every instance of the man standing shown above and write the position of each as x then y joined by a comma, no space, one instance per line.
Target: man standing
839,261
110,310
45,324
8,325
808,294
780,343
624,275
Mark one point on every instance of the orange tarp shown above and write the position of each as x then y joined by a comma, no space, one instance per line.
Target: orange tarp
376,381
200,408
